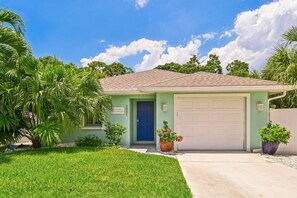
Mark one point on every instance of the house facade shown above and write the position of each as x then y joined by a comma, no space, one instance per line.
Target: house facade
211,111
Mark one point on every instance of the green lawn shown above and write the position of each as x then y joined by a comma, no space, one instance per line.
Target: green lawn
90,172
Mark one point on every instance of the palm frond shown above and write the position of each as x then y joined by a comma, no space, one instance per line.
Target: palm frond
291,35
12,19
9,39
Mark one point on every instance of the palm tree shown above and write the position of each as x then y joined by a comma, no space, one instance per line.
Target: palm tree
282,67
12,42
40,99
255,74
12,19
291,35
12,47
56,97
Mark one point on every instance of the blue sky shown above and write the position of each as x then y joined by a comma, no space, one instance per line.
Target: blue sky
140,33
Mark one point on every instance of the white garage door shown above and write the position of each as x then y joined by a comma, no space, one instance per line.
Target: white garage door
210,123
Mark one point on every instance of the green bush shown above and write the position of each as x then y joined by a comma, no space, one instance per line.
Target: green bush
114,132
2,148
89,140
275,133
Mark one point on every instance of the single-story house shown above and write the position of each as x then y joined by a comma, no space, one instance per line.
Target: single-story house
211,111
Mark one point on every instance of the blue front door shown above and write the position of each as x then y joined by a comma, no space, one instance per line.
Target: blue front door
145,121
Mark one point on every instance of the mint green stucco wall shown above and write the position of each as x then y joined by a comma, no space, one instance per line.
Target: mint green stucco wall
257,119
162,98
125,119
118,101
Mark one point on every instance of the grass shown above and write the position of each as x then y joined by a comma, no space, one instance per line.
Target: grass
89,172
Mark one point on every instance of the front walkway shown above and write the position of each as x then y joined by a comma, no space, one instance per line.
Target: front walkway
237,175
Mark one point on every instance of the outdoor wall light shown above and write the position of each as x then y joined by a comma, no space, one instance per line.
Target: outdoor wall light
165,107
260,106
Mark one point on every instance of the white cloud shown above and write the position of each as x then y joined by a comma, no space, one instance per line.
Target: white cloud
102,41
227,34
141,3
178,54
209,35
258,31
158,52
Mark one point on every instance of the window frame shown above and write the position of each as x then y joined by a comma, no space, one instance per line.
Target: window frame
92,127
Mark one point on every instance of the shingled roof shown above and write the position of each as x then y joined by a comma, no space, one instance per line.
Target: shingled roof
161,79
205,79
132,81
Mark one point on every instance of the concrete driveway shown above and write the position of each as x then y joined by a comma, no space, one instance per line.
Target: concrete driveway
237,175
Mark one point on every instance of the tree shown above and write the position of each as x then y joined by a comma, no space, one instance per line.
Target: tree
170,67
213,65
41,98
255,74
290,36
12,47
116,69
58,96
238,68
193,61
105,70
282,67
192,66
42,101
12,43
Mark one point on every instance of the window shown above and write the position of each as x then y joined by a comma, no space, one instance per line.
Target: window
92,123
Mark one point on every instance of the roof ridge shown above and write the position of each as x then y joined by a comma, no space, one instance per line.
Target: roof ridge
145,71
126,74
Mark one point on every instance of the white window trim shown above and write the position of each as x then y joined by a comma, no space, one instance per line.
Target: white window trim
92,127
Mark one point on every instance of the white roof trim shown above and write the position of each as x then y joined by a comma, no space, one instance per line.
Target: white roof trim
269,88
151,90
124,92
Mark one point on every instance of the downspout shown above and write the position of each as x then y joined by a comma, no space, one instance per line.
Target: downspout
274,98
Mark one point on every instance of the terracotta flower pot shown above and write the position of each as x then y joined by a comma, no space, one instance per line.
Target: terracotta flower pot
166,146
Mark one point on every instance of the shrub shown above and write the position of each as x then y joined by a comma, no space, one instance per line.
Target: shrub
114,132
89,140
275,133
2,149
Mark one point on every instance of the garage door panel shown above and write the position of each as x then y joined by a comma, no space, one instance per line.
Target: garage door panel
211,123
191,130
201,104
190,143
192,116
227,104
185,117
185,104
227,117
195,143
227,128
201,116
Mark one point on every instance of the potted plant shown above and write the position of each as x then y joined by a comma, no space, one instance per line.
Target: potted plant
167,138
272,135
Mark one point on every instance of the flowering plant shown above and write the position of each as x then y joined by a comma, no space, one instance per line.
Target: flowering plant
167,135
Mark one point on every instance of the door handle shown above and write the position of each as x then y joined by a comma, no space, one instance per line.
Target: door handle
137,122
